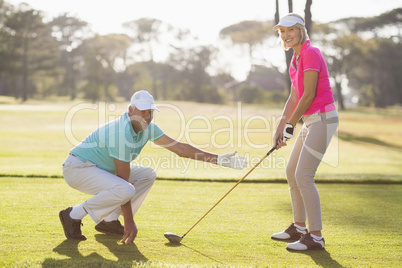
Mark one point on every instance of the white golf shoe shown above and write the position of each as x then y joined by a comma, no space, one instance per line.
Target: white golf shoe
306,243
291,233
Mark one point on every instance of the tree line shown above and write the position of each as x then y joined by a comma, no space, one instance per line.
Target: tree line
64,57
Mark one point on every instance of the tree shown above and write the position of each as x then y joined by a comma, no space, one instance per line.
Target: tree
249,33
145,32
6,48
69,33
267,78
102,55
307,17
370,64
43,64
384,59
27,29
336,69
289,53
391,19
192,77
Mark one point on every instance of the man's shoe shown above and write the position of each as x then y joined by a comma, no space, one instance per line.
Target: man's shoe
112,227
71,227
307,243
291,233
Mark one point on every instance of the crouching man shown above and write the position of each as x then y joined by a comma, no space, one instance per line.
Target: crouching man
101,166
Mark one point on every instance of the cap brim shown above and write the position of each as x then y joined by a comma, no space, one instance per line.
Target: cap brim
284,24
146,107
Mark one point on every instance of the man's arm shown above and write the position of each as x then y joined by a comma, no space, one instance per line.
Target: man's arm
130,229
188,151
185,150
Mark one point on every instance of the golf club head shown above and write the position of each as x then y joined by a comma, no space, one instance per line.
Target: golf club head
173,238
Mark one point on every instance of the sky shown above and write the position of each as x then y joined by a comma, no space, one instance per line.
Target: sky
204,18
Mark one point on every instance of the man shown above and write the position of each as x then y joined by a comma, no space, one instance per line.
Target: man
100,166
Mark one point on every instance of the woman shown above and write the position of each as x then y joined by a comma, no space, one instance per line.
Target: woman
311,100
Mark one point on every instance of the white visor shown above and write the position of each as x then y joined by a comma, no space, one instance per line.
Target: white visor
289,21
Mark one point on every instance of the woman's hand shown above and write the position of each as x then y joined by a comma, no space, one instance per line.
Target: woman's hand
277,140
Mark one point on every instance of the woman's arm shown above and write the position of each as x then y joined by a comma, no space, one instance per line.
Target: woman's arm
310,85
287,113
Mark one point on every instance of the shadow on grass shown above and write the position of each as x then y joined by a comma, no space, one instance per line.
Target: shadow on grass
127,255
175,245
321,258
346,136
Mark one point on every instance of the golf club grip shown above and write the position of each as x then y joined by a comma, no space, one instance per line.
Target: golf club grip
270,151
262,159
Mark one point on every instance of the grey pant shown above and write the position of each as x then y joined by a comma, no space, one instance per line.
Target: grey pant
307,153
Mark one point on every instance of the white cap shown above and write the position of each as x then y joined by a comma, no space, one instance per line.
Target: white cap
143,100
289,21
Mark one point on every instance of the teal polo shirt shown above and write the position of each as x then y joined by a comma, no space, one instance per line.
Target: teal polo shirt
115,140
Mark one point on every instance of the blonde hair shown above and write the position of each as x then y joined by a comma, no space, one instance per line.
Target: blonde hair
303,31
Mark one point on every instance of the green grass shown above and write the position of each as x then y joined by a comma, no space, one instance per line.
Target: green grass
361,227
37,136
361,221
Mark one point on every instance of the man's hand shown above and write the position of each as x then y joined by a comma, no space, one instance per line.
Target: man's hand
130,232
130,229
232,160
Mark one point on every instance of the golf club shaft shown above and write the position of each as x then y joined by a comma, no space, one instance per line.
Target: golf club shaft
262,159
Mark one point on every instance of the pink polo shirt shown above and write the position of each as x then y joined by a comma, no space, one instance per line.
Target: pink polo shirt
311,59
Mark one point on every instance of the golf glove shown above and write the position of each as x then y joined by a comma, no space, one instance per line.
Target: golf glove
288,132
232,160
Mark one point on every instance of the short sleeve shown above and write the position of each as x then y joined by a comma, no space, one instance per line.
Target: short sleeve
155,132
311,60
118,145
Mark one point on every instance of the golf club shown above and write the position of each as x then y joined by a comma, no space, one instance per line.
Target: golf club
174,238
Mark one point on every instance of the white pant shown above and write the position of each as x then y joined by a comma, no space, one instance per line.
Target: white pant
110,191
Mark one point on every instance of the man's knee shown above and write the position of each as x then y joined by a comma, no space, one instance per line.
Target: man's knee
126,191
148,174
149,178
152,174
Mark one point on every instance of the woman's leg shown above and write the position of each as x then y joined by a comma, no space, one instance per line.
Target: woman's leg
314,146
299,214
